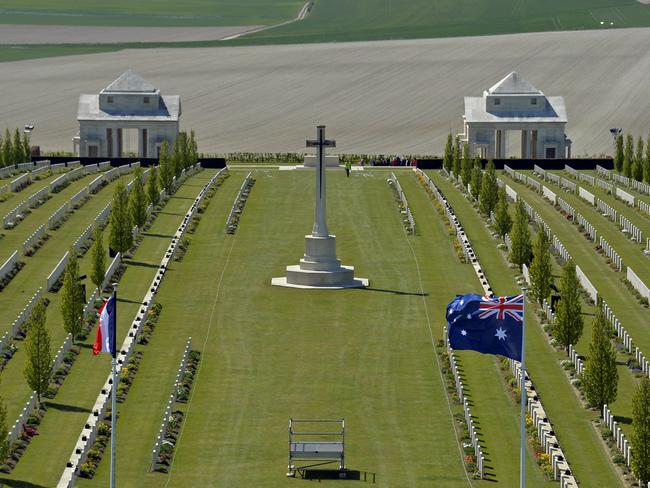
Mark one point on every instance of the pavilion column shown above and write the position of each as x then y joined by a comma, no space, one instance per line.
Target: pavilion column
524,144
498,144
533,144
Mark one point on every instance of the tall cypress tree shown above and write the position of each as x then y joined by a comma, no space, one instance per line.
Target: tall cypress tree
194,149
641,431
477,178
138,201
637,167
165,170
18,155
72,300
541,269
628,156
466,167
568,325
502,219
619,156
489,189
121,225
27,150
521,251
646,162
448,158
38,361
456,158
153,192
98,258
7,150
600,377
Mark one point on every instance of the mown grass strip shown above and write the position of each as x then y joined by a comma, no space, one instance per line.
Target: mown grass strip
67,413
580,441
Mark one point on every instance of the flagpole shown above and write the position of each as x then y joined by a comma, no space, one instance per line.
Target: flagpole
114,391
522,454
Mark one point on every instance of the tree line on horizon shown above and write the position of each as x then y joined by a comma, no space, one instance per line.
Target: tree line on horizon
14,150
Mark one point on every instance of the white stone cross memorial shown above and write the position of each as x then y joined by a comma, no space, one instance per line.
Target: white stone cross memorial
319,268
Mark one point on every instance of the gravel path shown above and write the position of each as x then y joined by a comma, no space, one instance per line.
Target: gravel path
390,96
73,34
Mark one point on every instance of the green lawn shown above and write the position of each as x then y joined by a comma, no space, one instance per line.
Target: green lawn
272,353
329,20
154,13
631,314
572,423
68,411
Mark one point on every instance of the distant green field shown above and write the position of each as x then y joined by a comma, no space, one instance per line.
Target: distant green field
355,20
328,21
149,12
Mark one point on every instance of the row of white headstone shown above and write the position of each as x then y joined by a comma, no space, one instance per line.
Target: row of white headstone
611,253
167,416
638,283
564,205
589,228
238,203
622,443
400,194
9,265
89,432
586,195
33,240
469,421
547,437
629,229
606,210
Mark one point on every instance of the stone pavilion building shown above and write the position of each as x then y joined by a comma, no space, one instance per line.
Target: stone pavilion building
130,117
515,119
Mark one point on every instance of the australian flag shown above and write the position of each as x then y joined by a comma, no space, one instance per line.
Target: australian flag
487,325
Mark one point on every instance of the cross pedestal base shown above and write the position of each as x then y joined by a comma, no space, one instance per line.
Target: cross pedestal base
319,268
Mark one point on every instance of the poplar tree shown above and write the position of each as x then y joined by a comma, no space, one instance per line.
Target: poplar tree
541,269
489,189
637,167
600,376
628,156
153,192
166,172
177,156
121,225
448,158
4,431
568,325
456,158
138,201
521,250
72,299
7,151
193,149
98,258
38,361
27,151
640,438
618,157
477,177
17,148
646,162
502,219
466,167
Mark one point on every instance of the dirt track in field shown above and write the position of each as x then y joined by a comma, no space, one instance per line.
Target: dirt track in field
390,96
73,34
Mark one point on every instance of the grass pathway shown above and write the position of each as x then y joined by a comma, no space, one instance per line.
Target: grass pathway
632,315
579,440
67,413
273,353
15,296
494,410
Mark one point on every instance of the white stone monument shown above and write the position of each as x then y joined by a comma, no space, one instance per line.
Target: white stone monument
319,268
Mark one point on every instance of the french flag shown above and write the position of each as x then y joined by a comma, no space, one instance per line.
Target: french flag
106,330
